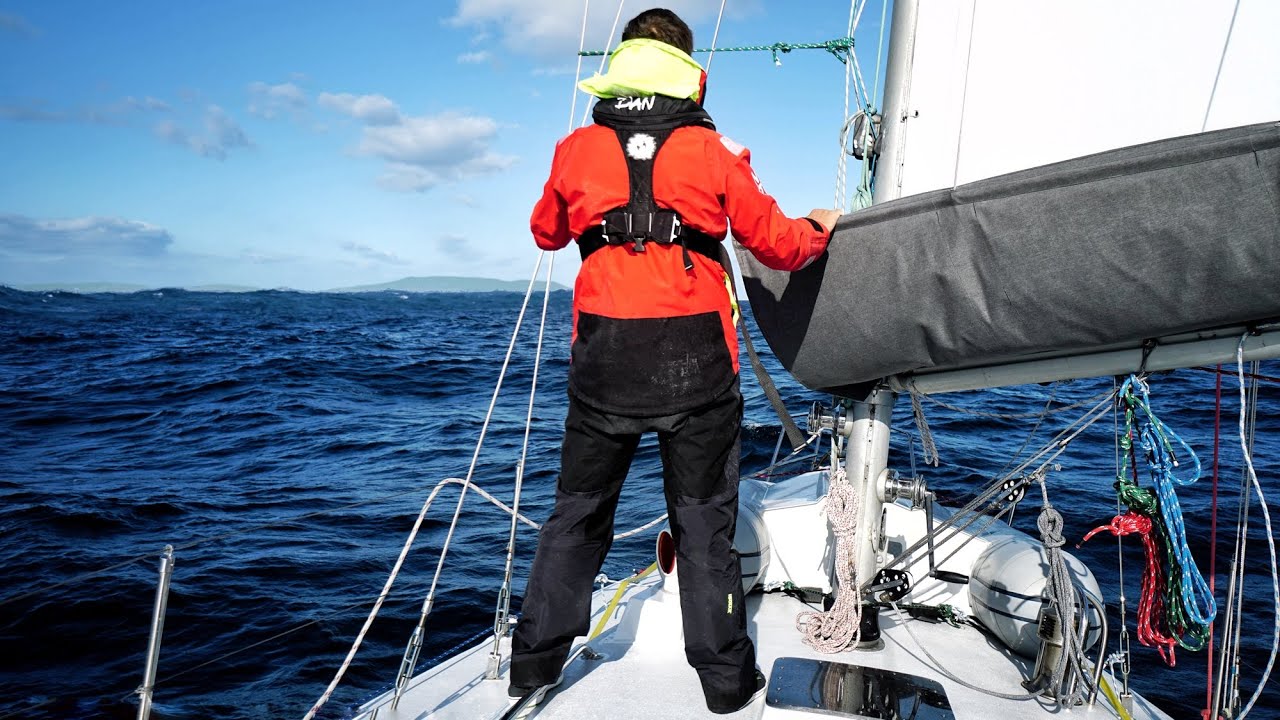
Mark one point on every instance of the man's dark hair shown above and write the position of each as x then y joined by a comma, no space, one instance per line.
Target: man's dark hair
661,25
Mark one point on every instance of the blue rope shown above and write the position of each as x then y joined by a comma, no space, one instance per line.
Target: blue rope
1155,439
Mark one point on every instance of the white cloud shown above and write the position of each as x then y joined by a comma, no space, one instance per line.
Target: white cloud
369,109
85,236
459,248
425,151
474,58
120,112
270,101
221,135
551,28
368,253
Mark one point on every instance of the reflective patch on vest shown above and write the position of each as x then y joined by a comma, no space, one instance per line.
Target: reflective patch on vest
731,145
636,103
641,146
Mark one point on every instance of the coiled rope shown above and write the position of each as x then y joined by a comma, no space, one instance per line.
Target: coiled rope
839,628
1151,603
1190,607
1061,592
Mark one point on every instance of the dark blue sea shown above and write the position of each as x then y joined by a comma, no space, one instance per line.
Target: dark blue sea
284,442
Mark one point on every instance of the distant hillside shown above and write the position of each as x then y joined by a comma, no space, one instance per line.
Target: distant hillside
223,288
442,283
90,287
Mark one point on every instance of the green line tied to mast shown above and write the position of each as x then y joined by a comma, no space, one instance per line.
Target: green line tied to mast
839,48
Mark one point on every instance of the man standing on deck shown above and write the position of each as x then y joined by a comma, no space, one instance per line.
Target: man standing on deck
649,191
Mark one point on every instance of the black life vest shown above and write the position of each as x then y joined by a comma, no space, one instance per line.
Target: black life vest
642,126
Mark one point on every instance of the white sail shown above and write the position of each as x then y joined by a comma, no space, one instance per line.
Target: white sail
989,87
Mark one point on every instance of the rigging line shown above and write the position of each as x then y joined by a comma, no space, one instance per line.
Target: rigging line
964,94
246,531
1053,392
1251,376
1221,61
1271,542
788,459
484,429
842,160
1123,639
996,486
604,57
503,610
404,552
884,14
77,579
1213,528
577,74
1018,416
714,37
942,669
246,648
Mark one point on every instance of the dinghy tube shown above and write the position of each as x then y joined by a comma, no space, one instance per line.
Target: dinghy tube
1006,586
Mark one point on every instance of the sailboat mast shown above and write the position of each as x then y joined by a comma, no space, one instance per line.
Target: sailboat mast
897,99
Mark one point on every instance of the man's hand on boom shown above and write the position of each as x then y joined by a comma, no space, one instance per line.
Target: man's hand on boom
825,218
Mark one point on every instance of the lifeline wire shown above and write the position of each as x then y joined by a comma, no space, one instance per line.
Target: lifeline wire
1271,542
413,534
503,609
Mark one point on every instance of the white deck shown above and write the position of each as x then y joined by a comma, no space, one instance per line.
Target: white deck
643,672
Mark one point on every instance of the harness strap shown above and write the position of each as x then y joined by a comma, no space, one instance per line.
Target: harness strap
662,227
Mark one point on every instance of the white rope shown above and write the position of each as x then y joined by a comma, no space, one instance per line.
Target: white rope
404,551
605,58
715,36
503,609
1221,61
928,449
842,160
1271,542
839,628
964,93
577,74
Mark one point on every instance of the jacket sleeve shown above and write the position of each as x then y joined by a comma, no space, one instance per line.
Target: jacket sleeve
777,241
550,219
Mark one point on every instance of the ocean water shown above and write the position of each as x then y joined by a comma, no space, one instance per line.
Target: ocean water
284,442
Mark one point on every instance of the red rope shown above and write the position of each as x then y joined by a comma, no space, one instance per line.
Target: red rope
1151,604
1213,531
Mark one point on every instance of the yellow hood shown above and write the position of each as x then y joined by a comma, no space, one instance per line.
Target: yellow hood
647,67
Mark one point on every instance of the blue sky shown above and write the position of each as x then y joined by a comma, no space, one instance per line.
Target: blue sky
321,144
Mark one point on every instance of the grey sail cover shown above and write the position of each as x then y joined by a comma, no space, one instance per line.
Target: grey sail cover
1095,252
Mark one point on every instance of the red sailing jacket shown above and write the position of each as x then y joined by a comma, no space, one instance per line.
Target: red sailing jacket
650,337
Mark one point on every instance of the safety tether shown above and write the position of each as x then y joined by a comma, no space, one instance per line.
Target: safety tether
794,436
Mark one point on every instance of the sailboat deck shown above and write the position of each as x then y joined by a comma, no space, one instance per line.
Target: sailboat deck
641,671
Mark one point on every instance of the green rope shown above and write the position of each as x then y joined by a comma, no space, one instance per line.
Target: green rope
840,48
1190,635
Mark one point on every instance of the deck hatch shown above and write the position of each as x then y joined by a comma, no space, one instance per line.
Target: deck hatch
853,691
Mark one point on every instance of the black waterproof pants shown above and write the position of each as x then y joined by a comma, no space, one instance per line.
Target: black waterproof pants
700,452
